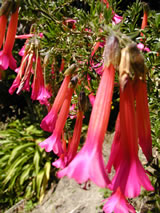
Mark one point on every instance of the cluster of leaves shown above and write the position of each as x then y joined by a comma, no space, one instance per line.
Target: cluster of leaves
24,167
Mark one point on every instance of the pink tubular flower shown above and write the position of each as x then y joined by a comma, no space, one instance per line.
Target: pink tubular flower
130,175
88,163
143,48
95,48
54,141
22,51
39,91
115,149
116,18
143,121
118,204
48,122
17,81
3,23
73,145
6,58
97,67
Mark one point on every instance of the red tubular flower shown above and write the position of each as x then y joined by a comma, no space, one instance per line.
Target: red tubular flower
48,122
17,81
6,58
71,151
3,23
115,149
117,204
73,146
88,163
145,17
130,175
39,91
54,141
95,48
143,121
62,65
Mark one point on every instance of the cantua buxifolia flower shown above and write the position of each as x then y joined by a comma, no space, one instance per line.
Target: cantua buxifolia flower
117,203
31,65
22,79
88,164
6,58
71,151
48,122
142,115
53,143
4,13
3,23
39,91
24,70
132,64
73,145
145,16
130,175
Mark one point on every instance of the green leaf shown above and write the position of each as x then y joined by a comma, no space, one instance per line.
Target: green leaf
39,180
12,170
19,150
25,174
36,161
47,169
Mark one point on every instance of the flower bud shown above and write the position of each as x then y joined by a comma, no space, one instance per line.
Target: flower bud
82,101
131,64
6,7
70,69
112,52
15,5
136,61
73,82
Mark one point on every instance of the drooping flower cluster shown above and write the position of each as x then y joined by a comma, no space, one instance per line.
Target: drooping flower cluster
132,130
55,120
31,65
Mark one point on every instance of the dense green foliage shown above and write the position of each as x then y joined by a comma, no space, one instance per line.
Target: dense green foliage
24,167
